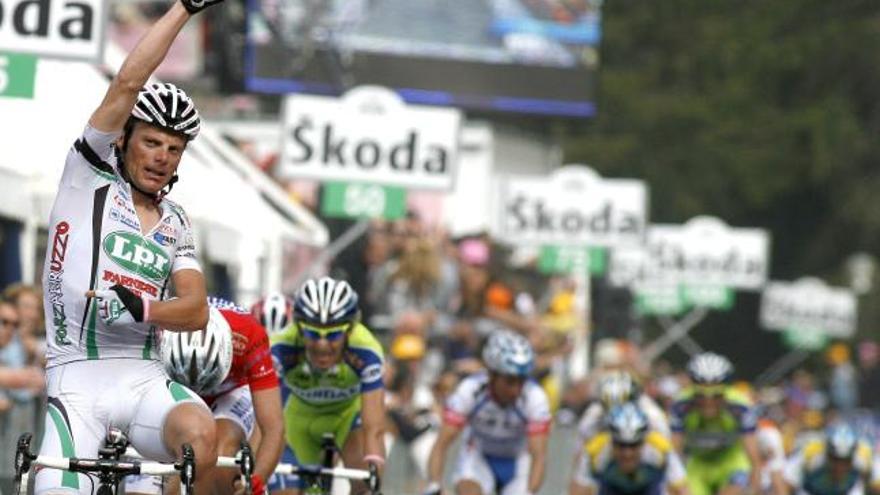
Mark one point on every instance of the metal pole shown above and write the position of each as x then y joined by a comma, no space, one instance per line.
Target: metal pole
674,334
686,342
782,366
335,247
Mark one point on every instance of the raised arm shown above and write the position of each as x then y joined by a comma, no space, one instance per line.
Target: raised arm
136,70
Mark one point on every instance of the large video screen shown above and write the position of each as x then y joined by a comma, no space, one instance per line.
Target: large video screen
529,56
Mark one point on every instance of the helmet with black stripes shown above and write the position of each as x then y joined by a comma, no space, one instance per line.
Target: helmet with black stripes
201,360
166,106
326,301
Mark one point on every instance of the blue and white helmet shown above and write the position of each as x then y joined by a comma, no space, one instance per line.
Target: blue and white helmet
325,302
616,388
841,441
627,423
509,353
708,368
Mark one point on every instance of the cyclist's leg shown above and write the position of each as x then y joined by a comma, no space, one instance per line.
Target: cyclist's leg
168,416
234,415
350,436
699,476
72,428
286,484
520,481
734,471
472,474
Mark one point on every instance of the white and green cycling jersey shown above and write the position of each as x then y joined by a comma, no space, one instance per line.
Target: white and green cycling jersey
96,241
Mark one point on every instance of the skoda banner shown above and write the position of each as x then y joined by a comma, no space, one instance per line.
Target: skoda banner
574,206
54,28
809,305
369,135
705,251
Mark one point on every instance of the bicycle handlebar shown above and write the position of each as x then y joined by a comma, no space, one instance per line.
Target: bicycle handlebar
120,467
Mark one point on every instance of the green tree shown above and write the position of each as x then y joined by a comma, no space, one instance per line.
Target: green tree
764,114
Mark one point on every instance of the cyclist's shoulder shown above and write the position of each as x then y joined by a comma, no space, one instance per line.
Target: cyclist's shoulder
737,398
599,442
362,339
658,441
289,337
176,211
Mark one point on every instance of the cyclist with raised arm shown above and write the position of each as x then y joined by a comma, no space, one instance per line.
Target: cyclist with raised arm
229,365
628,458
506,419
331,370
837,464
116,244
714,425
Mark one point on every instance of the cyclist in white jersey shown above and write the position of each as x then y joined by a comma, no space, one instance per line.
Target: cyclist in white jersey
115,246
506,420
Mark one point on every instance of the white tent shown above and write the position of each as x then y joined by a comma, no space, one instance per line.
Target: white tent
241,217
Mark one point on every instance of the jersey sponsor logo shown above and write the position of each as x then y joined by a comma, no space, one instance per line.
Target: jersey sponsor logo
120,217
166,228
239,343
55,288
371,373
137,255
164,239
326,395
122,203
137,286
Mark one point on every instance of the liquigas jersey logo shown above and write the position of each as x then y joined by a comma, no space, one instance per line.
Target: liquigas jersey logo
137,255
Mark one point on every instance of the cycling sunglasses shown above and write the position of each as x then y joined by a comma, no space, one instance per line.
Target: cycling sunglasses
627,445
709,391
332,334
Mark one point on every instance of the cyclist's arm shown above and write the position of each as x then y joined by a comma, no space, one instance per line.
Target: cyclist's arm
678,442
137,68
267,409
448,433
582,481
538,451
373,416
189,311
750,443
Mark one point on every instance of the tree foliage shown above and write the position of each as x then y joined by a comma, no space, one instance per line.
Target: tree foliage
764,114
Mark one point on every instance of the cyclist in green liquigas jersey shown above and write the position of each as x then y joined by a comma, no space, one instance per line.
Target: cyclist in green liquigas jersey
714,426
331,374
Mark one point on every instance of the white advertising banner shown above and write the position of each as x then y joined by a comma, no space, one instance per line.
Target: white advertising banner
369,135
809,305
574,206
64,29
705,251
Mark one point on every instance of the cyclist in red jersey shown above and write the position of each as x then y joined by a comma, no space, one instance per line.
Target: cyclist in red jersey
238,384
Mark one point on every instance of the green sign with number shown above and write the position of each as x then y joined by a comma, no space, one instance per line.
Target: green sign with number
359,200
807,339
673,300
18,74
564,259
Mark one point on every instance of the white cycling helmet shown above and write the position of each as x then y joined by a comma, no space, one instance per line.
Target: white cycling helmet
627,423
617,387
709,368
274,312
167,106
509,353
200,359
326,301
841,441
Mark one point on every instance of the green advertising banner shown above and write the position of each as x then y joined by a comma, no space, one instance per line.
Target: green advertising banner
358,200
806,339
708,296
673,300
18,74
564,259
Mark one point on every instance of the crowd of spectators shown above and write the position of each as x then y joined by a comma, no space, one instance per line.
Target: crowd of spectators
432,300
